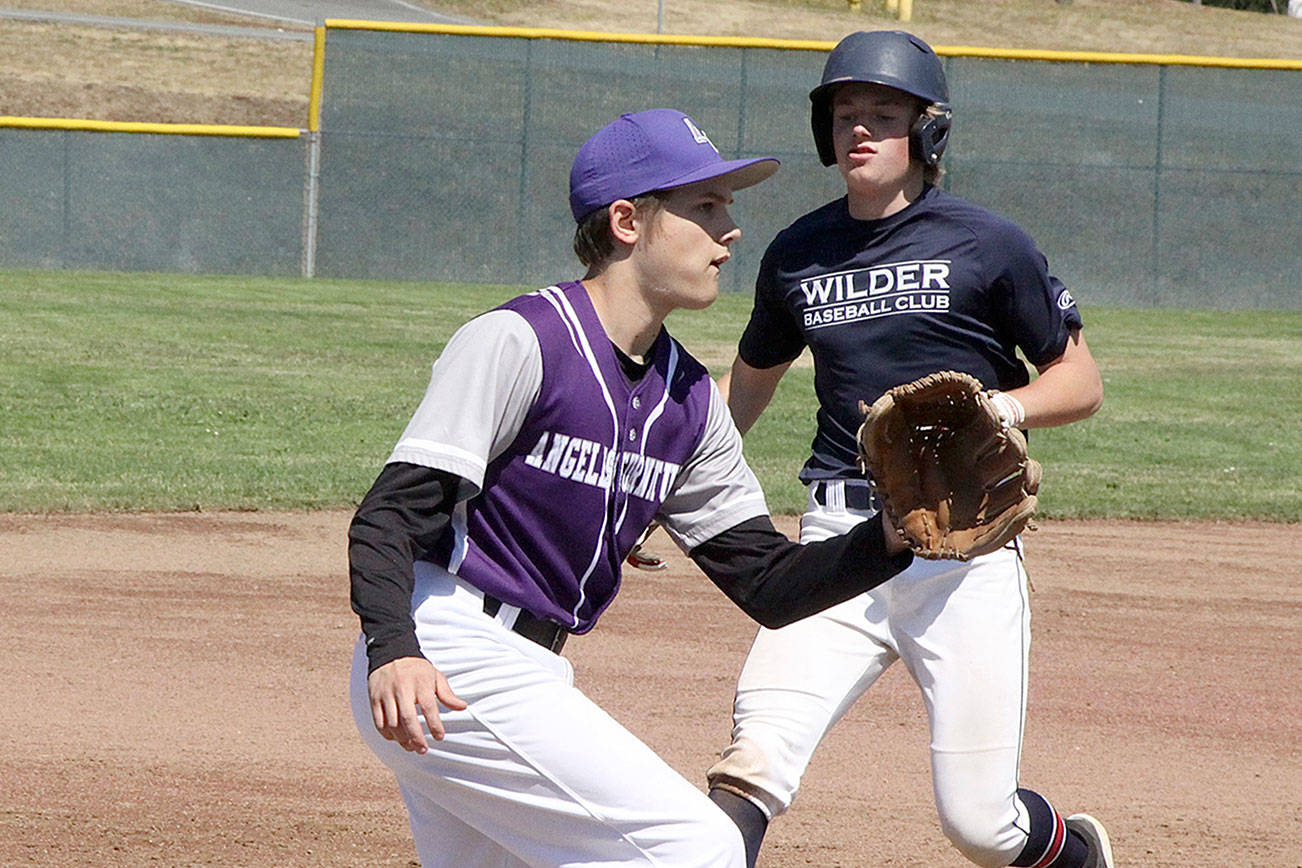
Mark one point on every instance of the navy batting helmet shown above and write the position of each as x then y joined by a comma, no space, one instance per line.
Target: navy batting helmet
895,59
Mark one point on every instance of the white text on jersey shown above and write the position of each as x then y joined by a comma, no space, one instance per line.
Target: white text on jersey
882,290
591,463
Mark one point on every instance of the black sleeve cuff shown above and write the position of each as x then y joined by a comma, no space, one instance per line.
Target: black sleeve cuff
778,582
385,649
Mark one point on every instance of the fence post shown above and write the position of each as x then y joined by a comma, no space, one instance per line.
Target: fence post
312,180
311,204
65,204
1157,187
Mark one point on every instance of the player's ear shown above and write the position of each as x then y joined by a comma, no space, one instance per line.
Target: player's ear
623,227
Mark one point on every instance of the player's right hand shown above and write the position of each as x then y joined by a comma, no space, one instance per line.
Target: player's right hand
400,691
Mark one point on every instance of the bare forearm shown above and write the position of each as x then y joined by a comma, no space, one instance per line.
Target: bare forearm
1068,389
748,391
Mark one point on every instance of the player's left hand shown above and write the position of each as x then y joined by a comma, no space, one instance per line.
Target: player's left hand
953,476
400,687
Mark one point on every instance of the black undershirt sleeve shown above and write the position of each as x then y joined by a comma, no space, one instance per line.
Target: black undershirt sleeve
400,519
778,582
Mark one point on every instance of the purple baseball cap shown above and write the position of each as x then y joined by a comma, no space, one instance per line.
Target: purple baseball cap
652,150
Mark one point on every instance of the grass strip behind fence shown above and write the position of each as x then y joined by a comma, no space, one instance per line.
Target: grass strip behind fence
181,392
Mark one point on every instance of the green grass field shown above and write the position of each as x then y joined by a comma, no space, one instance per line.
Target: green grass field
177,392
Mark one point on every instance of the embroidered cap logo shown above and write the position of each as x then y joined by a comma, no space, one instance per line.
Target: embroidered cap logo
700,137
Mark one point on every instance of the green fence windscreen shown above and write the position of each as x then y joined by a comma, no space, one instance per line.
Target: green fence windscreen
448,156
142,202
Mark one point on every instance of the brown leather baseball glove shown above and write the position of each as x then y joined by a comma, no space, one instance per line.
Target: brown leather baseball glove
955,481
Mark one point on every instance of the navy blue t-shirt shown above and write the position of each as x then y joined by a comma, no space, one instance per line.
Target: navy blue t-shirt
940,285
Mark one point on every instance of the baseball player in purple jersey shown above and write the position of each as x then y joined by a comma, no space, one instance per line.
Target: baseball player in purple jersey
894,281
554,430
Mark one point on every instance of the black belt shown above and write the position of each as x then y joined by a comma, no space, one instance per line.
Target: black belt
857,496
546,633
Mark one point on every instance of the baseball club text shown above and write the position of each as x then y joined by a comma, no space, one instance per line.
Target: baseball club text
882,290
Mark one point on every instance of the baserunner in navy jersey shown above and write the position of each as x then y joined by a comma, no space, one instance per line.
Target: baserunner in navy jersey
894,281
554,430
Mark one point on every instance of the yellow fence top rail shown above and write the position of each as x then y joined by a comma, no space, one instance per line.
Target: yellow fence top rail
1117,57
577,35
160,128
809,45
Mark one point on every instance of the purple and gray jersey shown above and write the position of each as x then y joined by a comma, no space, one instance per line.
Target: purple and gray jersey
575,458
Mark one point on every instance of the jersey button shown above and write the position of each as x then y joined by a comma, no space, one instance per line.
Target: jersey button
632,434
637,402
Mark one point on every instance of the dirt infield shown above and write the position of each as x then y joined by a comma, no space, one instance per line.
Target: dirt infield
175,694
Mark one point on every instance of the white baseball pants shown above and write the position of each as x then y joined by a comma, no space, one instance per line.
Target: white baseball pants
963,632
533,773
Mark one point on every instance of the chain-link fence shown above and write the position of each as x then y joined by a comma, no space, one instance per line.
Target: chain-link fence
151,202
444,154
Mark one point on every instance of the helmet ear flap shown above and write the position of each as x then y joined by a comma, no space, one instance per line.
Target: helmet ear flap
930,133
820,119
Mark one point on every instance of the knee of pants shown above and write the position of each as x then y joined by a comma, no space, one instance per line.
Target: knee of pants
754,768
702,837
985,834
718,841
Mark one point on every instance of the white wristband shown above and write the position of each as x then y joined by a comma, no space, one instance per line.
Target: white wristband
1010,410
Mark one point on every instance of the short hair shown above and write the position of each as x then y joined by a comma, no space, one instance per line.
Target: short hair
593,243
